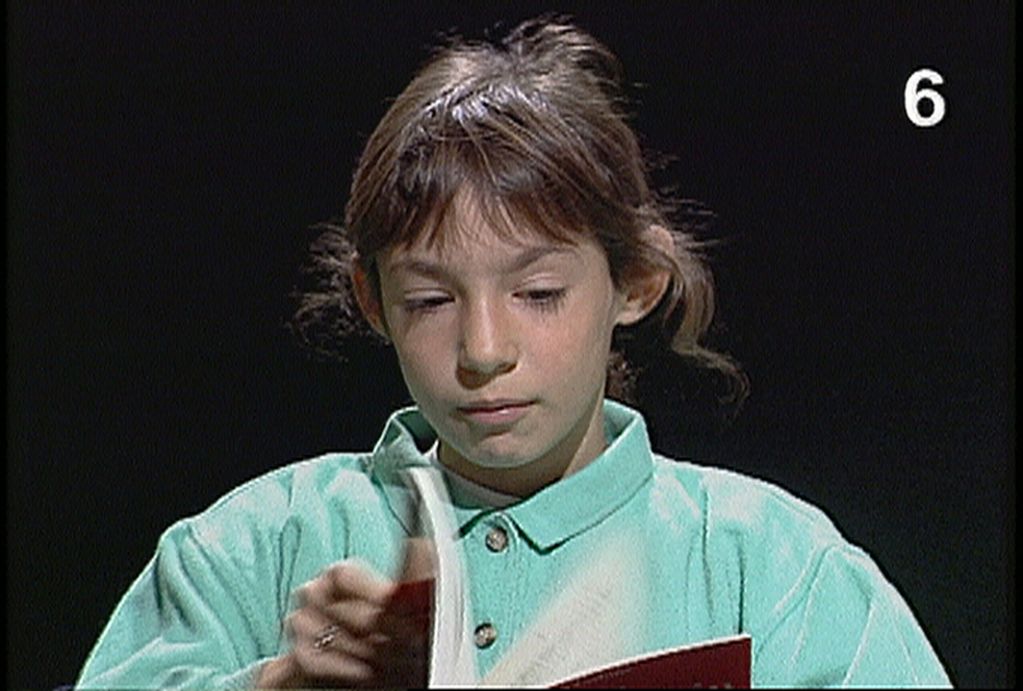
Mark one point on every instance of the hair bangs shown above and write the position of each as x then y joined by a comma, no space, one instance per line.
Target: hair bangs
455,183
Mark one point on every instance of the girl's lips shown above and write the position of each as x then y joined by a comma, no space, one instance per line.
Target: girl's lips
496,412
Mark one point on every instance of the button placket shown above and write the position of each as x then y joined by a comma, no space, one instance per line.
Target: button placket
494,543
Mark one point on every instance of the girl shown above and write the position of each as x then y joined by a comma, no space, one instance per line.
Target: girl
501,234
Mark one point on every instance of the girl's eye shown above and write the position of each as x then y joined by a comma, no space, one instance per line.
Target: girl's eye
426,304
545,300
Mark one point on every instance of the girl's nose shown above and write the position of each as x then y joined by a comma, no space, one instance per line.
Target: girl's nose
488,343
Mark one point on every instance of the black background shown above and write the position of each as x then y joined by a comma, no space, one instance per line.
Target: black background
164,164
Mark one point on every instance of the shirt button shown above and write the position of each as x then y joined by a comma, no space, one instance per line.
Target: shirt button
497,539
485,635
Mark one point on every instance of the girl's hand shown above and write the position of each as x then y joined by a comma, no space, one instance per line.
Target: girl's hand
354,628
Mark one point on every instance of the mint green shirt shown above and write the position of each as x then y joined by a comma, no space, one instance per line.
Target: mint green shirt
688,552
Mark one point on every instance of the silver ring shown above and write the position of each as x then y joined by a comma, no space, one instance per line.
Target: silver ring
326,636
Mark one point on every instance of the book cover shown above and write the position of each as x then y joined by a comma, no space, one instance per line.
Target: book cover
716,664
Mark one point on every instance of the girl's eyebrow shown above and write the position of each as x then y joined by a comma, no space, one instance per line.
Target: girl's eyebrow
522,261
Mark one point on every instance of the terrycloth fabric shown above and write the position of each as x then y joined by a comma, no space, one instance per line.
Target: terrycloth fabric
685,552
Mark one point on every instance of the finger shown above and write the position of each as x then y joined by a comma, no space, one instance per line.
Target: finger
324,646
413,596
379,625
360,617
344,580
337,667
355,580
324,651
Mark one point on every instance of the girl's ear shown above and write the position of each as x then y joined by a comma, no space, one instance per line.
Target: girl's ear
643,291
368,297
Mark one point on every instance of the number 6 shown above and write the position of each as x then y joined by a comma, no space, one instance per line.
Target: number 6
914,96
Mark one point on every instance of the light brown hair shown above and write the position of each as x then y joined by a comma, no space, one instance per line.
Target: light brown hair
536,126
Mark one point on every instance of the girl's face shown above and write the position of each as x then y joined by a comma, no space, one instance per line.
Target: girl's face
504,346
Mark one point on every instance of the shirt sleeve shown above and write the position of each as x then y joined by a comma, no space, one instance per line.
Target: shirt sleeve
843,625
193,618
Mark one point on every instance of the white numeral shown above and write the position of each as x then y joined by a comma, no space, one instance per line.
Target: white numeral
915,95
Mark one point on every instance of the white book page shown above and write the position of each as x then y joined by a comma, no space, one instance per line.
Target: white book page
452,655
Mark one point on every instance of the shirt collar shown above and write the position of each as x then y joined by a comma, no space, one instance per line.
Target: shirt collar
465,491
553,515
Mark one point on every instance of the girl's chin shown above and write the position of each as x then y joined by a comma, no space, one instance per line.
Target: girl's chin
498,459
495,454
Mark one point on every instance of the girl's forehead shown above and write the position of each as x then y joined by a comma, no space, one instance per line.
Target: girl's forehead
480,246
469,226
470,241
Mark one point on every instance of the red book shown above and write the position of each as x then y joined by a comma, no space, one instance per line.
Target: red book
414,599
717,664
721,663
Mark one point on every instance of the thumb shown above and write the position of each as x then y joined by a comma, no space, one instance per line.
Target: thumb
414,592
419,561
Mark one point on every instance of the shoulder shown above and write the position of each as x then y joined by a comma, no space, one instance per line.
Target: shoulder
282,491
740,506
298,497
770,545
761,538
